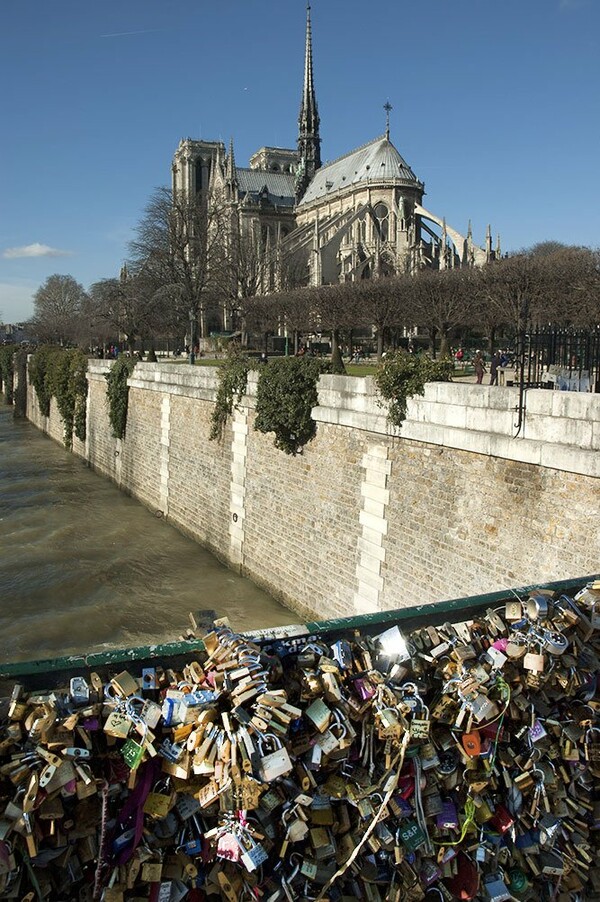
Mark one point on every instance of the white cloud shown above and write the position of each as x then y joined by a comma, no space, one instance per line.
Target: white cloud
34,250
568,5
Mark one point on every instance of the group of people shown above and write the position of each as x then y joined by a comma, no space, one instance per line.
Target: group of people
499,361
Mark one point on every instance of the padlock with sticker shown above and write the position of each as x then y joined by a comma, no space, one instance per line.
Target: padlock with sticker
419,723
496,889
411,835
132,753
254,856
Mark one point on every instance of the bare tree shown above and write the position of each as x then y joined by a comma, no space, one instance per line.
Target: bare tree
513,288
296,313
571,285
246,269
334,309
57,310
441,302
263,315
180,246
130,306
383,303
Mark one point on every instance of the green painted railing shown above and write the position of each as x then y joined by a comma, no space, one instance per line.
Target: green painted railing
173,653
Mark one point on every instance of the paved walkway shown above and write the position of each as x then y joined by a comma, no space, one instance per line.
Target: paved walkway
503,376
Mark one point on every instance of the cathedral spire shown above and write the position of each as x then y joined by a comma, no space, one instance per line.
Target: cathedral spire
231,172
231,181
309,141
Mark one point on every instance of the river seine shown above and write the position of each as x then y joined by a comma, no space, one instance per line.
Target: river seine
84,567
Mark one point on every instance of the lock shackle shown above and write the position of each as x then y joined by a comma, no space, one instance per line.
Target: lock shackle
435,889
339,729
248,657
296,870
406,688
451,685
269,740
130,705
161,784
338,716
110,693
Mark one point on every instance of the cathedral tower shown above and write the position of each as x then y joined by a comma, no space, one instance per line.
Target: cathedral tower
309,141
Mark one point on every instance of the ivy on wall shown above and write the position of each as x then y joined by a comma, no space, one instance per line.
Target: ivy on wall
286,394
117,394
7,372
39,376
233,381
60,373
403,375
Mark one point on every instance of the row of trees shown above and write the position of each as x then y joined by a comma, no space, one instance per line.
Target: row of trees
190,266
189,261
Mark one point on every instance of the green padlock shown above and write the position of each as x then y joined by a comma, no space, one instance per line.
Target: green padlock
412,836
132,753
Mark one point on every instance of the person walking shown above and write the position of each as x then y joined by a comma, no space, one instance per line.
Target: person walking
495,363
479,365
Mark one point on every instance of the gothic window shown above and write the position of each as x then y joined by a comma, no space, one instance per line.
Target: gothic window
363,230
383,221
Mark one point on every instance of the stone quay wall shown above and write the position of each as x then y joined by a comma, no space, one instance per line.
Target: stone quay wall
367,518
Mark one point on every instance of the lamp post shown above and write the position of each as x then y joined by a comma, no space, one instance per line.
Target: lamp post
192,337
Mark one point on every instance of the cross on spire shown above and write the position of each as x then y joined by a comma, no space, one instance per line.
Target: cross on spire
388,108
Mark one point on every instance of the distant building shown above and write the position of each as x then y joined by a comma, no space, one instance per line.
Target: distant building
360,216
14,333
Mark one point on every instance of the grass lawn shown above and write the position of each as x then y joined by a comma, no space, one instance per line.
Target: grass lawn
352,369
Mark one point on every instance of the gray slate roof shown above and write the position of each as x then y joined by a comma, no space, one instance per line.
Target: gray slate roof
280,185
376,160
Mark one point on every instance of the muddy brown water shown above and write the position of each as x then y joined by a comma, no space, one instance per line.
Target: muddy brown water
83,567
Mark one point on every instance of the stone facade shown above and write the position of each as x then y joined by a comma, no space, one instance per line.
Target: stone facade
357,217
366,518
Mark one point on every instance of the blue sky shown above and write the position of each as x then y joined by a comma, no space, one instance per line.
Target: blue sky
496,108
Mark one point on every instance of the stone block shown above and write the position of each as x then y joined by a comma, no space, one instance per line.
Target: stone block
376,524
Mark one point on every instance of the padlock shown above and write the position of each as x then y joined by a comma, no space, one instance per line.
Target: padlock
79,691
319,714
276,763
132,753
496,889
124,684
158,802
254,856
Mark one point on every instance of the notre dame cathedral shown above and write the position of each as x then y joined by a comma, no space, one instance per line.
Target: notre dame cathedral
360,216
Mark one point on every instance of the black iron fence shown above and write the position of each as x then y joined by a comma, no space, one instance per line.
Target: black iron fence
567,359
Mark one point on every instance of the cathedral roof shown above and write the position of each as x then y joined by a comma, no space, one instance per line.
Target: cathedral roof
374,161
280,185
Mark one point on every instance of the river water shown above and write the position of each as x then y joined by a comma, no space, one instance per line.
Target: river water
84,567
